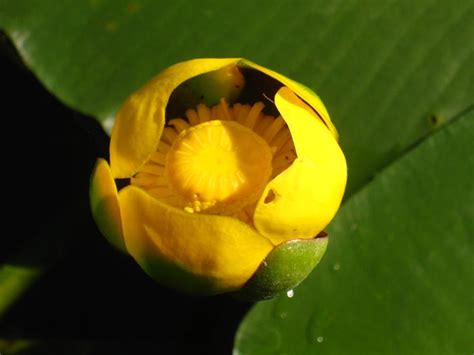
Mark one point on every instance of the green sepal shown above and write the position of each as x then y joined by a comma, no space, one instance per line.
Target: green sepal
284,268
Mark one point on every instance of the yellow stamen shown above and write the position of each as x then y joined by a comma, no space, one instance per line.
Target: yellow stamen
204,113
236,110
243,113
193,117
218,160
225,110
273,129
253,115
263,124
169,135
280,139
179,124
288,145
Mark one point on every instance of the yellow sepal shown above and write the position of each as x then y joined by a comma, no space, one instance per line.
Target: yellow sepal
222,253
302,91
104,204
304,198
140,121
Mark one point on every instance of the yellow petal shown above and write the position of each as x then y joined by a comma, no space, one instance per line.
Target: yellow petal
139,122
302,91
210,253
104,204
304,198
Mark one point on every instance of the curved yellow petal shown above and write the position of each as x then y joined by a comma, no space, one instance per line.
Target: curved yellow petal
302,91
303,199
210,253
104,204
139,122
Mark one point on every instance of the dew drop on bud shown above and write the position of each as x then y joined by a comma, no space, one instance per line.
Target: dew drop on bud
290,293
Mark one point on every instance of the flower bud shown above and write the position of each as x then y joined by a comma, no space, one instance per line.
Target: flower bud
233,172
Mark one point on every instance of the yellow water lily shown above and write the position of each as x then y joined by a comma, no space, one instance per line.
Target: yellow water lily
224,161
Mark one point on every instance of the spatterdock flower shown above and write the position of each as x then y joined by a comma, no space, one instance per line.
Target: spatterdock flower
232,173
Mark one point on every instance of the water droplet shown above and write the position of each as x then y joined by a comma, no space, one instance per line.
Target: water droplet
280,308
290,293
336,267
318,323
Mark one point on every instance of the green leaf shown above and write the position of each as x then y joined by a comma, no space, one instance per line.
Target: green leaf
389,71
398,274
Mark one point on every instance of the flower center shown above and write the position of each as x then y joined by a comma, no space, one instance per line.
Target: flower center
218,159
218,166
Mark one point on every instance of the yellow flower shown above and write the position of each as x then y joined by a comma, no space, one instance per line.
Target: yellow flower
231,171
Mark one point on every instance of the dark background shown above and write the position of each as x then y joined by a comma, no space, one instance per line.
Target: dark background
91,299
